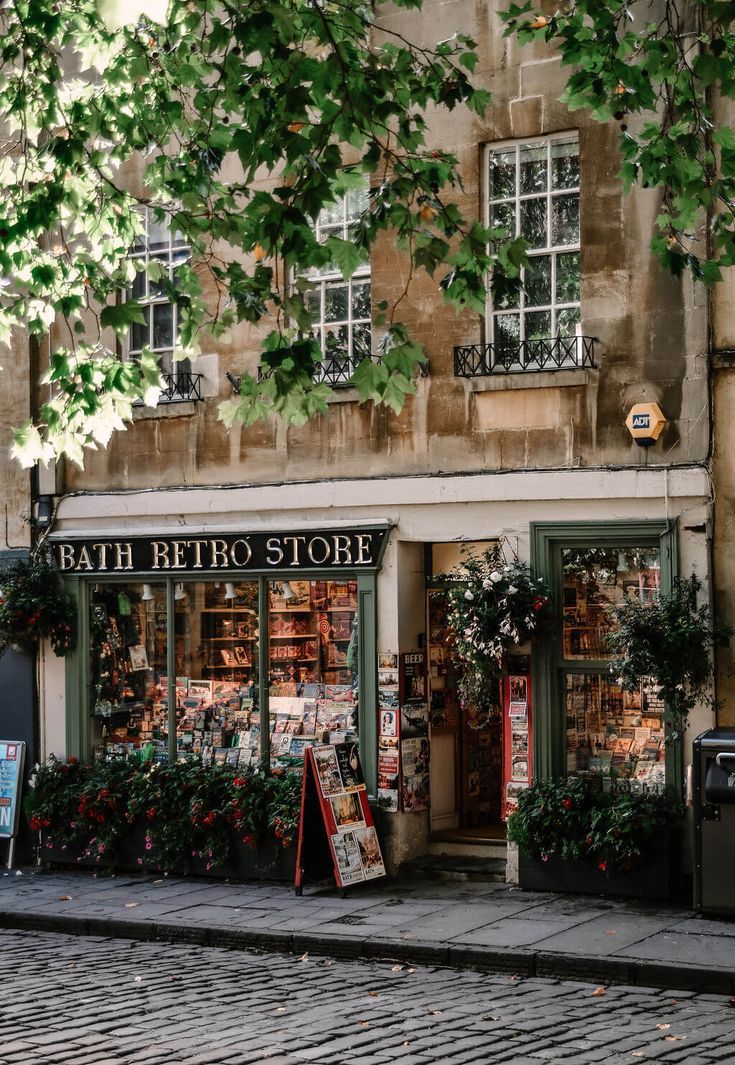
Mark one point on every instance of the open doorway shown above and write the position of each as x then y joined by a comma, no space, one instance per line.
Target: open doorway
466,746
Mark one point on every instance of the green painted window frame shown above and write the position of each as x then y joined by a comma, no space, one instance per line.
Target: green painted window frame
548,539
78,715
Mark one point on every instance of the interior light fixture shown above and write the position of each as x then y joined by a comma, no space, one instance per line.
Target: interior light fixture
147,593
229,590
179,593
288,592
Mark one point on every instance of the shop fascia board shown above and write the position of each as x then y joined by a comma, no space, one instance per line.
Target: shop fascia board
281,506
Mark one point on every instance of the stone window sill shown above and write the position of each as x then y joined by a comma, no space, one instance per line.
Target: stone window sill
575,377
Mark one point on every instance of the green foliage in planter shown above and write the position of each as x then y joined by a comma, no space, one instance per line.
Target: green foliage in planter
189,813
569,819
33,605
668,639
494,606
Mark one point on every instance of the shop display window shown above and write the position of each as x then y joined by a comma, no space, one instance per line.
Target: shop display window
313,664
216,653
594,580
127,626
612,735
210,699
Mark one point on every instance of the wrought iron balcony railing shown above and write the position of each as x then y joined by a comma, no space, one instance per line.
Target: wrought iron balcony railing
182,386
525,356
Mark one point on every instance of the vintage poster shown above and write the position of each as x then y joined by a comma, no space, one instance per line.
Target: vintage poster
347,812
413,676
327,769
347,853
388,723
415,719
370,856
350,769
415,773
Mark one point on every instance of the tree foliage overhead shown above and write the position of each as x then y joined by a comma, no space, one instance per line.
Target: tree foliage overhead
249,118
664,70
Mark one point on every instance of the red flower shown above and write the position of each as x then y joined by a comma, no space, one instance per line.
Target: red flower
35,822
73,760
150,813
209,818
568,803
602,866
100,819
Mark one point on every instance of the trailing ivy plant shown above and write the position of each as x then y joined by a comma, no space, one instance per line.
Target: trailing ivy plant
668,640
493,606
240,121
34,606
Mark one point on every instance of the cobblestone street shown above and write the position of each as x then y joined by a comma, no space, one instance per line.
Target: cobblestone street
94,1001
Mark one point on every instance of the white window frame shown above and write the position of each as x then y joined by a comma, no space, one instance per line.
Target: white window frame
552,250
170,255
321,281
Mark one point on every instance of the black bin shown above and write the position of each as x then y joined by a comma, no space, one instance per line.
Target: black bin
713,768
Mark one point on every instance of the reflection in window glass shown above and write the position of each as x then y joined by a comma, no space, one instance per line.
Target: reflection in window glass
127,625
596,579
313,673
216,634
613,735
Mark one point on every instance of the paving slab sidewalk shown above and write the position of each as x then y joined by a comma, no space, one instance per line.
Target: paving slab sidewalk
494,927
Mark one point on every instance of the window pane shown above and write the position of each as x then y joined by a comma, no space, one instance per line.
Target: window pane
565,220
538,281
537,325
566,321
216,628
163,325
596,579
158,234
312,299
336,339
507,329
567,278
127,628
335,303
502,174
533,222
564,165
140,333
313,682
503,216
332,213
139,291
361,301
532,169
357,201
614,735
361,341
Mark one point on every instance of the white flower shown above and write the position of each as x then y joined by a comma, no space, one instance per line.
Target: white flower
512,590
495,576
487,584
468,595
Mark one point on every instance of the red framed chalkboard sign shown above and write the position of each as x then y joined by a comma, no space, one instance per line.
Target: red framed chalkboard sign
337,836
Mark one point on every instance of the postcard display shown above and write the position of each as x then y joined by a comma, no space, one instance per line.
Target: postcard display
613,736
312,668
517,737
389,737
313,665
336,830
414,731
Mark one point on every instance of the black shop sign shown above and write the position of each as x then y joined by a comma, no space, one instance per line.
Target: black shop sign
331,549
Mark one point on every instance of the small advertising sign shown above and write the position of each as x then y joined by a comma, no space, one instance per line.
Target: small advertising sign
12,758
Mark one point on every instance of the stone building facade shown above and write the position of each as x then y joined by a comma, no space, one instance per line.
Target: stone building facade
526,447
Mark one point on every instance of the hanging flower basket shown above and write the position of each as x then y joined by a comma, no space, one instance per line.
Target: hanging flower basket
494,607
33,606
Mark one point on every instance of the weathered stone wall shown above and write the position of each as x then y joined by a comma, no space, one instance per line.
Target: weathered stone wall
651,332
15,390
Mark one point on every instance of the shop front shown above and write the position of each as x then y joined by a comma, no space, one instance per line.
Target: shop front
234,650
239,626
